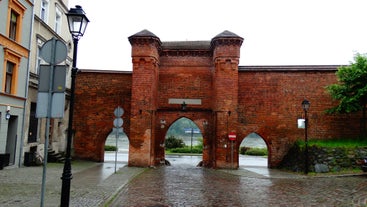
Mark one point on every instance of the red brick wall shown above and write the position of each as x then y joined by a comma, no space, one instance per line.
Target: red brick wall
186,77
270,104
97,94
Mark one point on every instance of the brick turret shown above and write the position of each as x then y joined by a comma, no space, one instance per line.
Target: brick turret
145,57
226,53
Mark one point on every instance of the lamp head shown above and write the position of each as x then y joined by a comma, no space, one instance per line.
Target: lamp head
7,115
305,105
183,106
77,21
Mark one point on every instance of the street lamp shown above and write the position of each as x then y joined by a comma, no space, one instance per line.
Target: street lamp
183,106
77,24
306,106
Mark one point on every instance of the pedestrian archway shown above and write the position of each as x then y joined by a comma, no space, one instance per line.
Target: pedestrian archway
119,141
253,151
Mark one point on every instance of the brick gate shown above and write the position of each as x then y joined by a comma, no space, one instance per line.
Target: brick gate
202,81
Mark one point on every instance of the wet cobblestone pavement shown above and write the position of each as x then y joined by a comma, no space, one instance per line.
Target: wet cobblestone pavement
179,185
192,186
92,185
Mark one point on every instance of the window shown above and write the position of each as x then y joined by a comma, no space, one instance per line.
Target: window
39,60
9,77
13,25
44,10
10,71
15,18
58,21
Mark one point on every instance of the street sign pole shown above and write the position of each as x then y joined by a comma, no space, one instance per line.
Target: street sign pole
192,134
232,154
117,123
117,138
53,51
232,138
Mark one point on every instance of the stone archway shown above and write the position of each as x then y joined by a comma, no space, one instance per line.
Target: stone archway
188,133
201,119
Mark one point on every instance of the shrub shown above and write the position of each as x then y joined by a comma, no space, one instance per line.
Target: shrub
257,151
243,150
110,148
196,150
173,142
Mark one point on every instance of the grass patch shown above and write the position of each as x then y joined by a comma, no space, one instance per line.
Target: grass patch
110,148
195,150
333,143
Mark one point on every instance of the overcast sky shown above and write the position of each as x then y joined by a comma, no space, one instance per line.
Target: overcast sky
281,32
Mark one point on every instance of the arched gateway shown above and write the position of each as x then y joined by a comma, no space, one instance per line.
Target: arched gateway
202,81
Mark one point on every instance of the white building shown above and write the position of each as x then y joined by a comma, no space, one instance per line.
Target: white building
49,22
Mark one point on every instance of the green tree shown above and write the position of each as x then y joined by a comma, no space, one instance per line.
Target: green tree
351,89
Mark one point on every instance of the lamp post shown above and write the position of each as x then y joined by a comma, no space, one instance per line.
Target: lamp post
77,22
306,106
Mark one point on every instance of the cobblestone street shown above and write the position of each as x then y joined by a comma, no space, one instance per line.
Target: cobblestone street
179,185
92,185
191,186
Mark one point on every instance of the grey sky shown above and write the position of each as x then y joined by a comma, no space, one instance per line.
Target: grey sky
282,32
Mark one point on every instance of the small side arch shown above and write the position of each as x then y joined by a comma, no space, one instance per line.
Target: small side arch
122,146
251,141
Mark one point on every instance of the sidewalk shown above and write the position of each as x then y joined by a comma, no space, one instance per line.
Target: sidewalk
93,184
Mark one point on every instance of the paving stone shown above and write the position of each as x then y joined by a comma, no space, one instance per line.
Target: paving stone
172,186
95,184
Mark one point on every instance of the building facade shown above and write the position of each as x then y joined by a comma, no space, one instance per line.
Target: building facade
49,22
15,43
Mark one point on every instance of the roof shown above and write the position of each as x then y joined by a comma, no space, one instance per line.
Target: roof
144,33
186,45
282,68
226,34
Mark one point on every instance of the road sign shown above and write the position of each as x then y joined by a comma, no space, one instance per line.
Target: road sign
118,112
54,95
54,51
232,136
59,78
191,130
118,122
